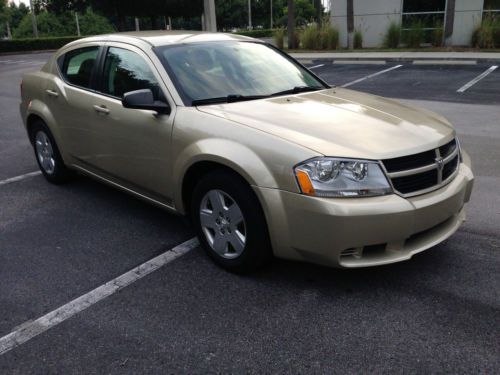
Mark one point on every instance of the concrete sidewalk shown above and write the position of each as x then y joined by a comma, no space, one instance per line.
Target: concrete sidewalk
471,57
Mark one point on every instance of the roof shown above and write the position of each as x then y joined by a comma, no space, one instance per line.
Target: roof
159,38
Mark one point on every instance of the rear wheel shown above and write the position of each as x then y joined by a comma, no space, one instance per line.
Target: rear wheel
47,154
230,223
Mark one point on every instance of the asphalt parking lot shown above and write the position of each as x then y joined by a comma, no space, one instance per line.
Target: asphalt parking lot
437,313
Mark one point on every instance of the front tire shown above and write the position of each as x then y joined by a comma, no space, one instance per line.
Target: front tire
47,154
230,223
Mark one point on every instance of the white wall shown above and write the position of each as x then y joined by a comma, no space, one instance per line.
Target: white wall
468,15
371,17
338,18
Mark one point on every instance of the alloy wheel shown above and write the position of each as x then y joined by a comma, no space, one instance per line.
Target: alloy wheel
223,224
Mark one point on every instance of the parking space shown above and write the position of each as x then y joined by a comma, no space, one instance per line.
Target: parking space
60,242
439,82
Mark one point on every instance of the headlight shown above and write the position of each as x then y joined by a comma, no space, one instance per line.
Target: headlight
332,177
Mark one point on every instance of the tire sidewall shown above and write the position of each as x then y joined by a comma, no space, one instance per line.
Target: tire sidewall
60,173
257,245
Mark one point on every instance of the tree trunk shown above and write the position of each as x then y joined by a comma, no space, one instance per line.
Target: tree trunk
350,24
319,13
9,34
291,24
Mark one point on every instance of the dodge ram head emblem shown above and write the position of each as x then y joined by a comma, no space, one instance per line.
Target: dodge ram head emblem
439,163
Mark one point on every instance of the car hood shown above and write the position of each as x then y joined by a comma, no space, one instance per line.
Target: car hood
342,122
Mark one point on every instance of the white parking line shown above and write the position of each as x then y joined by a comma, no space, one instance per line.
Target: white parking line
371,76
19,178
477,79
33,328
317,66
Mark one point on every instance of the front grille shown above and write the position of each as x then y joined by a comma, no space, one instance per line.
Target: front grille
450,167
415,174
410,162
415,182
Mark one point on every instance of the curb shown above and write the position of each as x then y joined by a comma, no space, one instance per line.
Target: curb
415,60
430,61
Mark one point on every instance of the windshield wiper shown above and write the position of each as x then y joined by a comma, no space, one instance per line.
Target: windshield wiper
227,99
298,89
240,98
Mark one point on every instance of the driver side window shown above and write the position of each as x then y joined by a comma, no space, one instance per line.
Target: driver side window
126,71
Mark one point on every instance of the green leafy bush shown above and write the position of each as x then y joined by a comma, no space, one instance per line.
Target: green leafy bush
326,37
329,37
488,34
48,25
279,37
311,37
415,36
392,36
92,23
437,37
64,24
34,44
358,39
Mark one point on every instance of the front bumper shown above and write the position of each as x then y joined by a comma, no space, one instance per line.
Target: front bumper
361,232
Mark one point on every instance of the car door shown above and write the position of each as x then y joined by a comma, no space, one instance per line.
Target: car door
131,146
69,96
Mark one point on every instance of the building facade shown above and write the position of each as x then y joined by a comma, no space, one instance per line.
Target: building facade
457,18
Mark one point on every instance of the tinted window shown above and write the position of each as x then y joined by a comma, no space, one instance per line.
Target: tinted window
126,71
78,65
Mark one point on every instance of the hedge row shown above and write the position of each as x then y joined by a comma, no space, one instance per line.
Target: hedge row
34,44
258,33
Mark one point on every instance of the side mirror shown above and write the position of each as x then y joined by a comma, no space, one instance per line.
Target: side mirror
144,99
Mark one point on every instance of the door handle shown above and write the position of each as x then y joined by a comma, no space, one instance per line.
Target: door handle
52,93
101,109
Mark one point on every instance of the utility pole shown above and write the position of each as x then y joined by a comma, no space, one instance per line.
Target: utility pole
250,14
77,24
271,23
33,20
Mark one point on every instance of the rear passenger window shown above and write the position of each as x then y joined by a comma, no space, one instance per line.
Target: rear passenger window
77,65
126,71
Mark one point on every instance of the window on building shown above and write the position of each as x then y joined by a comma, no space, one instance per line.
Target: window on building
491,5
426,15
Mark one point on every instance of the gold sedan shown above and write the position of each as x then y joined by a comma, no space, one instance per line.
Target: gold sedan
263,156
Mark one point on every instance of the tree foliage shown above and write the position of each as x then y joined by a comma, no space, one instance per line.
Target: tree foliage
63,24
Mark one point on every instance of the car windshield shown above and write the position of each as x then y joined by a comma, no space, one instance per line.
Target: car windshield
218,72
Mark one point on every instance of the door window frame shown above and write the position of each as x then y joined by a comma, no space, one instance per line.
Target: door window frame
61,59
101,64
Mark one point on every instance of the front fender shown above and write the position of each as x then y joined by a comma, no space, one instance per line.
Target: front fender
226,152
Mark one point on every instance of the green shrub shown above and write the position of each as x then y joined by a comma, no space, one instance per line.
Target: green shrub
437,37
392,36
259,33
415,36
311,38
488,34
279,37
329,37
52,25
92,23
49,25
34,44
358,39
